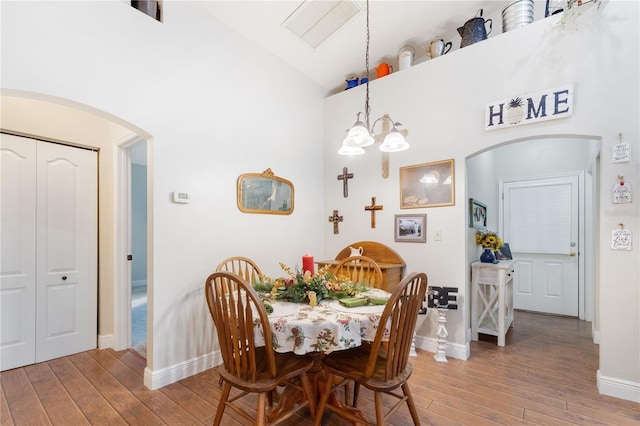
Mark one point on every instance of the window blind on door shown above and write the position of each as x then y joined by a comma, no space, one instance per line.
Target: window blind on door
540,219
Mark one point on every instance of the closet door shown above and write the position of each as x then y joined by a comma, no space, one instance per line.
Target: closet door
49,231
18,251
67,240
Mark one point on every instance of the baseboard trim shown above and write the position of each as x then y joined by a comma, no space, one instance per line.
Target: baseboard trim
105,341
165,376
618,388
454,350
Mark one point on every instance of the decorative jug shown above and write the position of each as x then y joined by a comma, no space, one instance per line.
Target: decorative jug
474,30
351,82
405,57
438,47
383,69
356,251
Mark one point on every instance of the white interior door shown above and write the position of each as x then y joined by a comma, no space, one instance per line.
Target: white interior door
60,201
18,252
541,225
67,237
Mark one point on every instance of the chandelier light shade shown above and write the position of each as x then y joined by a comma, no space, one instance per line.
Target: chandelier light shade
360,135
394,142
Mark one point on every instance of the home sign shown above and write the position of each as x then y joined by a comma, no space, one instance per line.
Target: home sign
547,105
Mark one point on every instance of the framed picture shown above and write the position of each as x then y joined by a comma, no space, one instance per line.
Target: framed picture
504,252
427,185
264,193
411,228
477,214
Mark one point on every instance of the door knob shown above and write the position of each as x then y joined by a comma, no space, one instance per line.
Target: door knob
572,253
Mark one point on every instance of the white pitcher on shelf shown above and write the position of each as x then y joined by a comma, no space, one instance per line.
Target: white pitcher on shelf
356,251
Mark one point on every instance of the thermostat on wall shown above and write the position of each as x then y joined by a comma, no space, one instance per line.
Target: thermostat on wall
181,197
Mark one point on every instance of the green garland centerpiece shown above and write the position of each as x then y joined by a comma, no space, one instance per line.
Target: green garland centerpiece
309,288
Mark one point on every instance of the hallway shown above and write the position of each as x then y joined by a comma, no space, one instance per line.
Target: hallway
139,319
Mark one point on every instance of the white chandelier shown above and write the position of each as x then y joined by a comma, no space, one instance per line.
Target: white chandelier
361,134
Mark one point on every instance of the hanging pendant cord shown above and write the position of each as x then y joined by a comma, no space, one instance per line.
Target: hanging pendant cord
367,109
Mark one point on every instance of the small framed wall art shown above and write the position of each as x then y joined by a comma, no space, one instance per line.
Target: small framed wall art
477,214
411,228
427,185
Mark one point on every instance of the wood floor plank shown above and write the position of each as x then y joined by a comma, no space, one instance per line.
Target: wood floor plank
608,404
5,414
508,385
161,405
23,402
58,404
464,416
460,404
132,410
189,401
94,406
545,375
547,420
614,417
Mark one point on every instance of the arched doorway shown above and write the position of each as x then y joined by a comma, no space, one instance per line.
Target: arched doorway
65,121
543,156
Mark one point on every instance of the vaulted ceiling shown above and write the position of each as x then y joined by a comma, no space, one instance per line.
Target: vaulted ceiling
393,24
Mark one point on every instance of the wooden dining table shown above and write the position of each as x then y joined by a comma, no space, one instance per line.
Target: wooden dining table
316,331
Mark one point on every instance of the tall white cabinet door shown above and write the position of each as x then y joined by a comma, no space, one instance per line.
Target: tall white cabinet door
18,251
67,233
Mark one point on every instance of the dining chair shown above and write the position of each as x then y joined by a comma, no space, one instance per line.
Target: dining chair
360,269
380,368
235,306
243,266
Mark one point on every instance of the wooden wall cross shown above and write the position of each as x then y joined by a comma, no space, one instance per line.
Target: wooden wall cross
372,208
335,218
344,177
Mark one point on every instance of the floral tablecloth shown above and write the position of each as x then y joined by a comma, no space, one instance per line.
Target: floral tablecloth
301,329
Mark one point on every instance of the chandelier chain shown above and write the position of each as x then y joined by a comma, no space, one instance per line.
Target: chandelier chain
367,109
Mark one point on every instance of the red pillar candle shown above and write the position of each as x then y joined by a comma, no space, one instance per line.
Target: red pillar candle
307,264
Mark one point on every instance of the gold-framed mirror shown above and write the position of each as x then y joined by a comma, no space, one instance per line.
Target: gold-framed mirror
265,193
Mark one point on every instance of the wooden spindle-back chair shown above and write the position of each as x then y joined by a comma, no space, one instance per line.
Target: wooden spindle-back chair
381,368
235,307
360,269
243,266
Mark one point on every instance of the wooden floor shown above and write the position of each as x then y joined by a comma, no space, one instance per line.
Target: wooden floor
546,375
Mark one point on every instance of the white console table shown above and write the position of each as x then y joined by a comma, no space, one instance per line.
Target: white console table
492,304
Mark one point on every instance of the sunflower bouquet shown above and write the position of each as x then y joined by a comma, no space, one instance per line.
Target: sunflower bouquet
488,239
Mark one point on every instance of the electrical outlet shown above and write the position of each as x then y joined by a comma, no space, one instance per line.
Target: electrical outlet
437,235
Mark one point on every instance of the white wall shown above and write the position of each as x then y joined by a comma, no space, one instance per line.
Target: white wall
213,106
442,101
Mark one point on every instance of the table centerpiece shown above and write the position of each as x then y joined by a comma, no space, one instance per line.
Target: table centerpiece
307,287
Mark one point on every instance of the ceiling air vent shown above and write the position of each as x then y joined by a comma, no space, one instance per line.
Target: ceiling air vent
315,20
